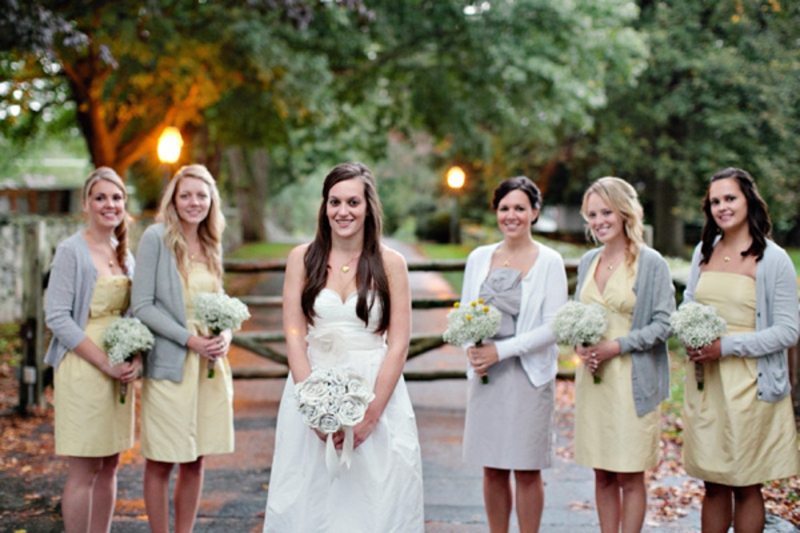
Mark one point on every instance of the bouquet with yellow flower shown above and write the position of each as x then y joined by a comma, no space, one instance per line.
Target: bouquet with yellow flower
473,323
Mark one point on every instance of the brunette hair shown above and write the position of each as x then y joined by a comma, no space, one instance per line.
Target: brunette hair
621,197
757,215
371,272
519,183
209,233
121,231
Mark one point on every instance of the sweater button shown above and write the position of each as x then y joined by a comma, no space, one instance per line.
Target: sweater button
759,374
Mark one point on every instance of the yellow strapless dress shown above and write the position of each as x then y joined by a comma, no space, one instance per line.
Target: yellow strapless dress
730,436
609,435
89,420
183,421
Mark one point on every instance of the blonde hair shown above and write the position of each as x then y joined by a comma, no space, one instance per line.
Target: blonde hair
620,197
121,231
209,232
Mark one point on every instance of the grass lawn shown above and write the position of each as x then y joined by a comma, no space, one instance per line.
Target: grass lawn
262,250
461,251
267,250
448,251
794,253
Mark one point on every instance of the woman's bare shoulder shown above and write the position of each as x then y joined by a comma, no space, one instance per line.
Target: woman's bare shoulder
298,253
393,259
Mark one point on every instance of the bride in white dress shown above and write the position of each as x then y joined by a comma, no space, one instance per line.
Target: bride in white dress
346,303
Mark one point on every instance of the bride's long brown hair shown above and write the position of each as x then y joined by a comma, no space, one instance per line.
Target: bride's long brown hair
370,273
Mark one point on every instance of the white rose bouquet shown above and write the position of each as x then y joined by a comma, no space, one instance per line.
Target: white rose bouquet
219,312
696,326
471,323
123,339
331,399
580,323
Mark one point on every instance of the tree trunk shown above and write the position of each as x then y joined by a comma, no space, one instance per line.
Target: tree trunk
249,180
668,225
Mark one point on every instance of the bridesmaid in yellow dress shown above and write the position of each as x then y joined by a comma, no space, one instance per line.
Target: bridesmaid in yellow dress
185,414
89,288
617,419
740,430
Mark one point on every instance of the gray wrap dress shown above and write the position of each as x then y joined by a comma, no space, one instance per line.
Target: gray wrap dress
509,422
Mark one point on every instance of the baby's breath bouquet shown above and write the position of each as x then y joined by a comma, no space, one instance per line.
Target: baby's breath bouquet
331,399
472,322
219,312
123,339
696,326
580,323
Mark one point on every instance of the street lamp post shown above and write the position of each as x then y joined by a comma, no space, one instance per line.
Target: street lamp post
455,180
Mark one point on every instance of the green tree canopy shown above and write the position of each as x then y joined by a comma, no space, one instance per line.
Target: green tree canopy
130,68
722,88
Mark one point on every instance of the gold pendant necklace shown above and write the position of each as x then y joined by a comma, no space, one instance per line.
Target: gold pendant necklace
609,264
346,266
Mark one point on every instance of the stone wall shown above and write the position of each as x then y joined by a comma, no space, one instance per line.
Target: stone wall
12,256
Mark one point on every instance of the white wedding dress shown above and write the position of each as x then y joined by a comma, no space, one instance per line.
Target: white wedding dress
381,492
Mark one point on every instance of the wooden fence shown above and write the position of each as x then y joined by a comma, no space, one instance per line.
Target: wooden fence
258,342
32,368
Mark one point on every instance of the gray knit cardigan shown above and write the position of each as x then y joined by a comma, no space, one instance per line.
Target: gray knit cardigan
69,295
157,300
647,340
776,326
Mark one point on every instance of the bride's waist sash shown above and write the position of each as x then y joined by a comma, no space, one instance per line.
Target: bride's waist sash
328,347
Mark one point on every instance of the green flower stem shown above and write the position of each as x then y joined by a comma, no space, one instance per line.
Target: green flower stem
212,364
700,375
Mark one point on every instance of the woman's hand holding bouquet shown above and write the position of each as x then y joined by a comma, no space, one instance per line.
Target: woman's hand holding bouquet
219,312
331,400
698,327
124,339
580,324
472,323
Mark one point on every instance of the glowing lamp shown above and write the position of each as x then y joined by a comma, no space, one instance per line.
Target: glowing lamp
456,178
169,145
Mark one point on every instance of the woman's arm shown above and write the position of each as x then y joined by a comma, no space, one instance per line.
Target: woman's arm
694,275
59,310
88,350
60,300
397,339
782,333
295,325
143,292
555,296
656,330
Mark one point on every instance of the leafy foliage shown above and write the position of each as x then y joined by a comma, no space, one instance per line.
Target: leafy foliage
132,68
721,89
